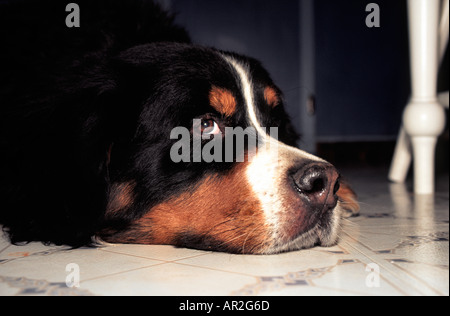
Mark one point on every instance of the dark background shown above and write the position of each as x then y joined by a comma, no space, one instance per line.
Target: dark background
358,76
361,75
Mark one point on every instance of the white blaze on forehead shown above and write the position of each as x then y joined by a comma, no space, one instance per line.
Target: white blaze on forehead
262,172
268,169
248,93
247,90
275,145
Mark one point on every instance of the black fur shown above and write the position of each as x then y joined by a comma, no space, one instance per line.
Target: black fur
82,109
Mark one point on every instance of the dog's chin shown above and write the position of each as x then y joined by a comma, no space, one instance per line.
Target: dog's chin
323,234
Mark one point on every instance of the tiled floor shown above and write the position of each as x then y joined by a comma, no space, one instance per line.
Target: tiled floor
398,246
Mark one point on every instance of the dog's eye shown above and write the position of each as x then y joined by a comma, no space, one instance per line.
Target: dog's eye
210,127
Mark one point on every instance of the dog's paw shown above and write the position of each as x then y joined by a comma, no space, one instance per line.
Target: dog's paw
348,201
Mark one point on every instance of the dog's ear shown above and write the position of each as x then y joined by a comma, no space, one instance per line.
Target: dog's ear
348,200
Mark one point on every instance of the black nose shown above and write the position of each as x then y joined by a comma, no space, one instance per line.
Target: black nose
318,183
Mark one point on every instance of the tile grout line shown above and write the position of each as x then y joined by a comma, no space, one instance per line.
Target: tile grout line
369,260
388,267
437,292
149,258
161,262
5,248
122,272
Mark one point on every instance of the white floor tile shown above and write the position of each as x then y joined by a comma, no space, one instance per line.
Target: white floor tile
169,279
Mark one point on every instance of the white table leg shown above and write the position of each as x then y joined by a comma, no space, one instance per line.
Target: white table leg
443,29
424,117
402,158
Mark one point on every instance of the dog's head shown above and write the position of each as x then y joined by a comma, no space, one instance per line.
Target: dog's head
177,175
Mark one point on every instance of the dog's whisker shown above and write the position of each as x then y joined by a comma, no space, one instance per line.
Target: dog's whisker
232,239
246,238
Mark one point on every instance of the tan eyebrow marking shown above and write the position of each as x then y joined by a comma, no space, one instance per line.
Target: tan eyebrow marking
222,100
271,97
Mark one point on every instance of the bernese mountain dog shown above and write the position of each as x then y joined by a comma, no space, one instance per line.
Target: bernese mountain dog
87,116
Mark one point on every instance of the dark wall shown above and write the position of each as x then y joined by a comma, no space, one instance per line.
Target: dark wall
362,74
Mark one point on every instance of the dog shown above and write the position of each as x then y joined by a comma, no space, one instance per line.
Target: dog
87,115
